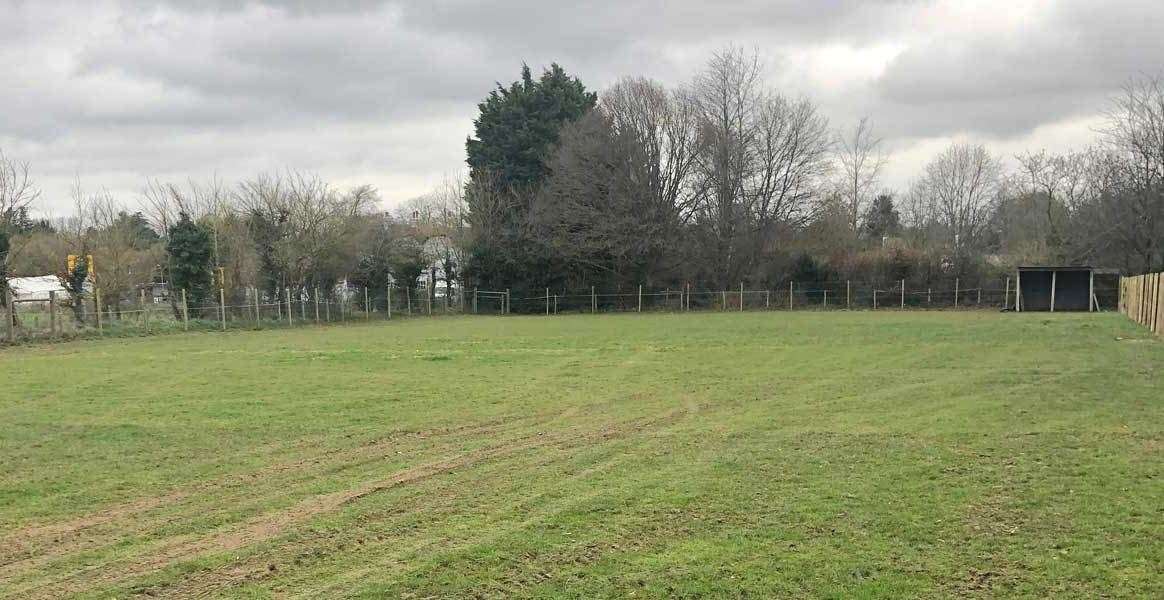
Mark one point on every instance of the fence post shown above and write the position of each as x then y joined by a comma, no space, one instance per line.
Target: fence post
389,301
825,298
144,310
979,294
97,306
848,295
316,306
593,301
902,294
185,312
10,314
222,306
723,300
957,289
790,295
258,313
1054,284
640,297
874,298
367,311
288,291
1006,294
52,313
547,301
929,295
474,300
741,296
767,298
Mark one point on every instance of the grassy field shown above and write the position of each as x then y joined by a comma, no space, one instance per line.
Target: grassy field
763,455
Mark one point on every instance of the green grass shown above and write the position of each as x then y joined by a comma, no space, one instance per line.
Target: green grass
842,455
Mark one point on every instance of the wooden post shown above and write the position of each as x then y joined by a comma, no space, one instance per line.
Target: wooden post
1018,291
389,300
1090,291
97,307
317,306
640,297
547,302
825,299
10,315
957,288
428,299
723,300
741,296
475,300
327,310
555,304
288,291
145,313
367,311
902,294
185,312
593,301
789,295
1054,284
52,312
767,298
258,314
848,295
222,306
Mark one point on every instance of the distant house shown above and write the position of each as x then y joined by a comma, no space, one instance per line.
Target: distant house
37,289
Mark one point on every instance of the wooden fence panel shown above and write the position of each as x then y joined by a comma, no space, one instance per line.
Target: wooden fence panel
1141,299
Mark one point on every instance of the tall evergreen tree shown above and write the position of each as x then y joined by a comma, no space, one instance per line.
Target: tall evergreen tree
882,218
515,134
189,250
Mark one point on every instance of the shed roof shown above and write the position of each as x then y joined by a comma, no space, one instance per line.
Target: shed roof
1055,268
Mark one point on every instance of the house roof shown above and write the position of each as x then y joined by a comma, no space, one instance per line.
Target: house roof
1055,268
33,288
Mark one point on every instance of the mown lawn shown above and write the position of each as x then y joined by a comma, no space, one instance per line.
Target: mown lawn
764,455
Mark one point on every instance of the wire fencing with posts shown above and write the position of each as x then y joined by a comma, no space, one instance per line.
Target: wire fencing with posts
57,317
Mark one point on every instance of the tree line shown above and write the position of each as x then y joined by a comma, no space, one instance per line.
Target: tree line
720,181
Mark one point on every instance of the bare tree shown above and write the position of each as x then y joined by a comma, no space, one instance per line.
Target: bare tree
17,191
663,125
861,162
763,162
1135,133
1054,185
957,192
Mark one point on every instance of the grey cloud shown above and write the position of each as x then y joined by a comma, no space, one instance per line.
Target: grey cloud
1007,85
387,89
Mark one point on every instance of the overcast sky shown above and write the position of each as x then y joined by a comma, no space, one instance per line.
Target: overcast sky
114,93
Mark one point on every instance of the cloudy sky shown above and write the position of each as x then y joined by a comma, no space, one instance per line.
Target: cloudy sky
113,93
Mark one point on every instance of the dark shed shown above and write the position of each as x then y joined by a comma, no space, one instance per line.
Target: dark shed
1055,288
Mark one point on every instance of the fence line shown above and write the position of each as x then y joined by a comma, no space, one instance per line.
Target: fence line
251,308
1142,300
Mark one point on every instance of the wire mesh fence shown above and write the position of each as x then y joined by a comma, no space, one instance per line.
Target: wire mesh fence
254,309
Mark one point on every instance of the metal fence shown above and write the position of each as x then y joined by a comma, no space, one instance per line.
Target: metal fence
252,309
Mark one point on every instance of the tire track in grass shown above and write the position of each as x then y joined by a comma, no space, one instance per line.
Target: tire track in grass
268,526
258,568
38,545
